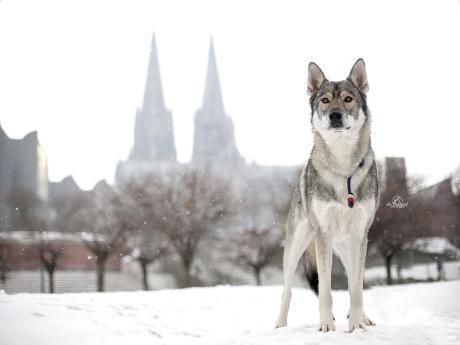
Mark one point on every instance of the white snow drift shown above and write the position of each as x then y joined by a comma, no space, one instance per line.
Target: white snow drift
407,314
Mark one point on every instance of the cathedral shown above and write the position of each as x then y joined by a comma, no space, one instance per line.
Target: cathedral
154,146
214,145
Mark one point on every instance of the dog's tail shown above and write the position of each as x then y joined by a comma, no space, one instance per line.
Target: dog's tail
311,270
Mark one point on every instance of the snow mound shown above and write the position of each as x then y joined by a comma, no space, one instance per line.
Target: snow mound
406,314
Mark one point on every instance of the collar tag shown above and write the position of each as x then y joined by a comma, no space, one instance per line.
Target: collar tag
350,197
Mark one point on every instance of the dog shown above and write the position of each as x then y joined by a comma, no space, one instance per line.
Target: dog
337,195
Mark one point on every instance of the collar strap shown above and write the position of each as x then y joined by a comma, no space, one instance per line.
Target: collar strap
351,196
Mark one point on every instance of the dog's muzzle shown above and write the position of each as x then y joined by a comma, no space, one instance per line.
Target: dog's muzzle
335,119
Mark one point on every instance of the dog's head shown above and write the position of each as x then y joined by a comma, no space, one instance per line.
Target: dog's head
338,108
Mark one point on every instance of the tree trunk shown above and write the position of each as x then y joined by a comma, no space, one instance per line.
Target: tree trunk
188,274
188,278
257,271
388,259
399,268
51,280
145,273
100,268
3,277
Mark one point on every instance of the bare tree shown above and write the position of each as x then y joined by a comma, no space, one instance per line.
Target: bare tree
5,264
282,205
49,253
189,205
266,204
105,220
32,214
385,233
255,249
399,217
146,249
147,243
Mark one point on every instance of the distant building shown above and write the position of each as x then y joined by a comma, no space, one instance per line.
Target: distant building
75,265
67,186
444,205
23,249
395,176
23,179
66,199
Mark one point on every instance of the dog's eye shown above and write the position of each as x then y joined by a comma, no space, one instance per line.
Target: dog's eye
348,99
324,100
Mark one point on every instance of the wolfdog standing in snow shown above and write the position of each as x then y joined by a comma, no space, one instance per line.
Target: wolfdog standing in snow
335,201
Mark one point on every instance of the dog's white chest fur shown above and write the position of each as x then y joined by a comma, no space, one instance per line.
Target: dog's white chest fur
340,220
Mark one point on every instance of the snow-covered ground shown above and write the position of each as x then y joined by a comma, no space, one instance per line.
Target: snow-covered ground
418,314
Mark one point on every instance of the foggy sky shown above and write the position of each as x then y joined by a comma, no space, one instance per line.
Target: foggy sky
75,71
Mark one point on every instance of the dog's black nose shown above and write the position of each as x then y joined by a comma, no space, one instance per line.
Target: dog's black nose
335,116
336,119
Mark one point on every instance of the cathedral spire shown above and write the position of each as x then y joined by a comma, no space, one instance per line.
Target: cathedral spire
153,132
212,97
214,137
153,94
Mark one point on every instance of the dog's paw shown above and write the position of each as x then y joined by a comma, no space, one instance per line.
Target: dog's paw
327,325
367,321
355,324
280,324
359,320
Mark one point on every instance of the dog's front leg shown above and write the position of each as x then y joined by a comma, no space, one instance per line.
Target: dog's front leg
324,263
357,317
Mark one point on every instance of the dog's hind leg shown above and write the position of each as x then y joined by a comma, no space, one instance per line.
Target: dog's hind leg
296,243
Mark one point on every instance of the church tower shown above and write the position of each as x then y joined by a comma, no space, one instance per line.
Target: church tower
153,132
214,137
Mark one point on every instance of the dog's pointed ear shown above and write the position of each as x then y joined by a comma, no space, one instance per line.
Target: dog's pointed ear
358,76
315,78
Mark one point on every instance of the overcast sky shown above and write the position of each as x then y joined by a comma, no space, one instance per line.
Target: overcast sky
75,71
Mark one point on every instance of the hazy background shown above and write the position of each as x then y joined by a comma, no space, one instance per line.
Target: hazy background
75,71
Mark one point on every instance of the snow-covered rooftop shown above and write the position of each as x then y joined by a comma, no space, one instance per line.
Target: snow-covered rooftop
434,245
36,236
455,181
